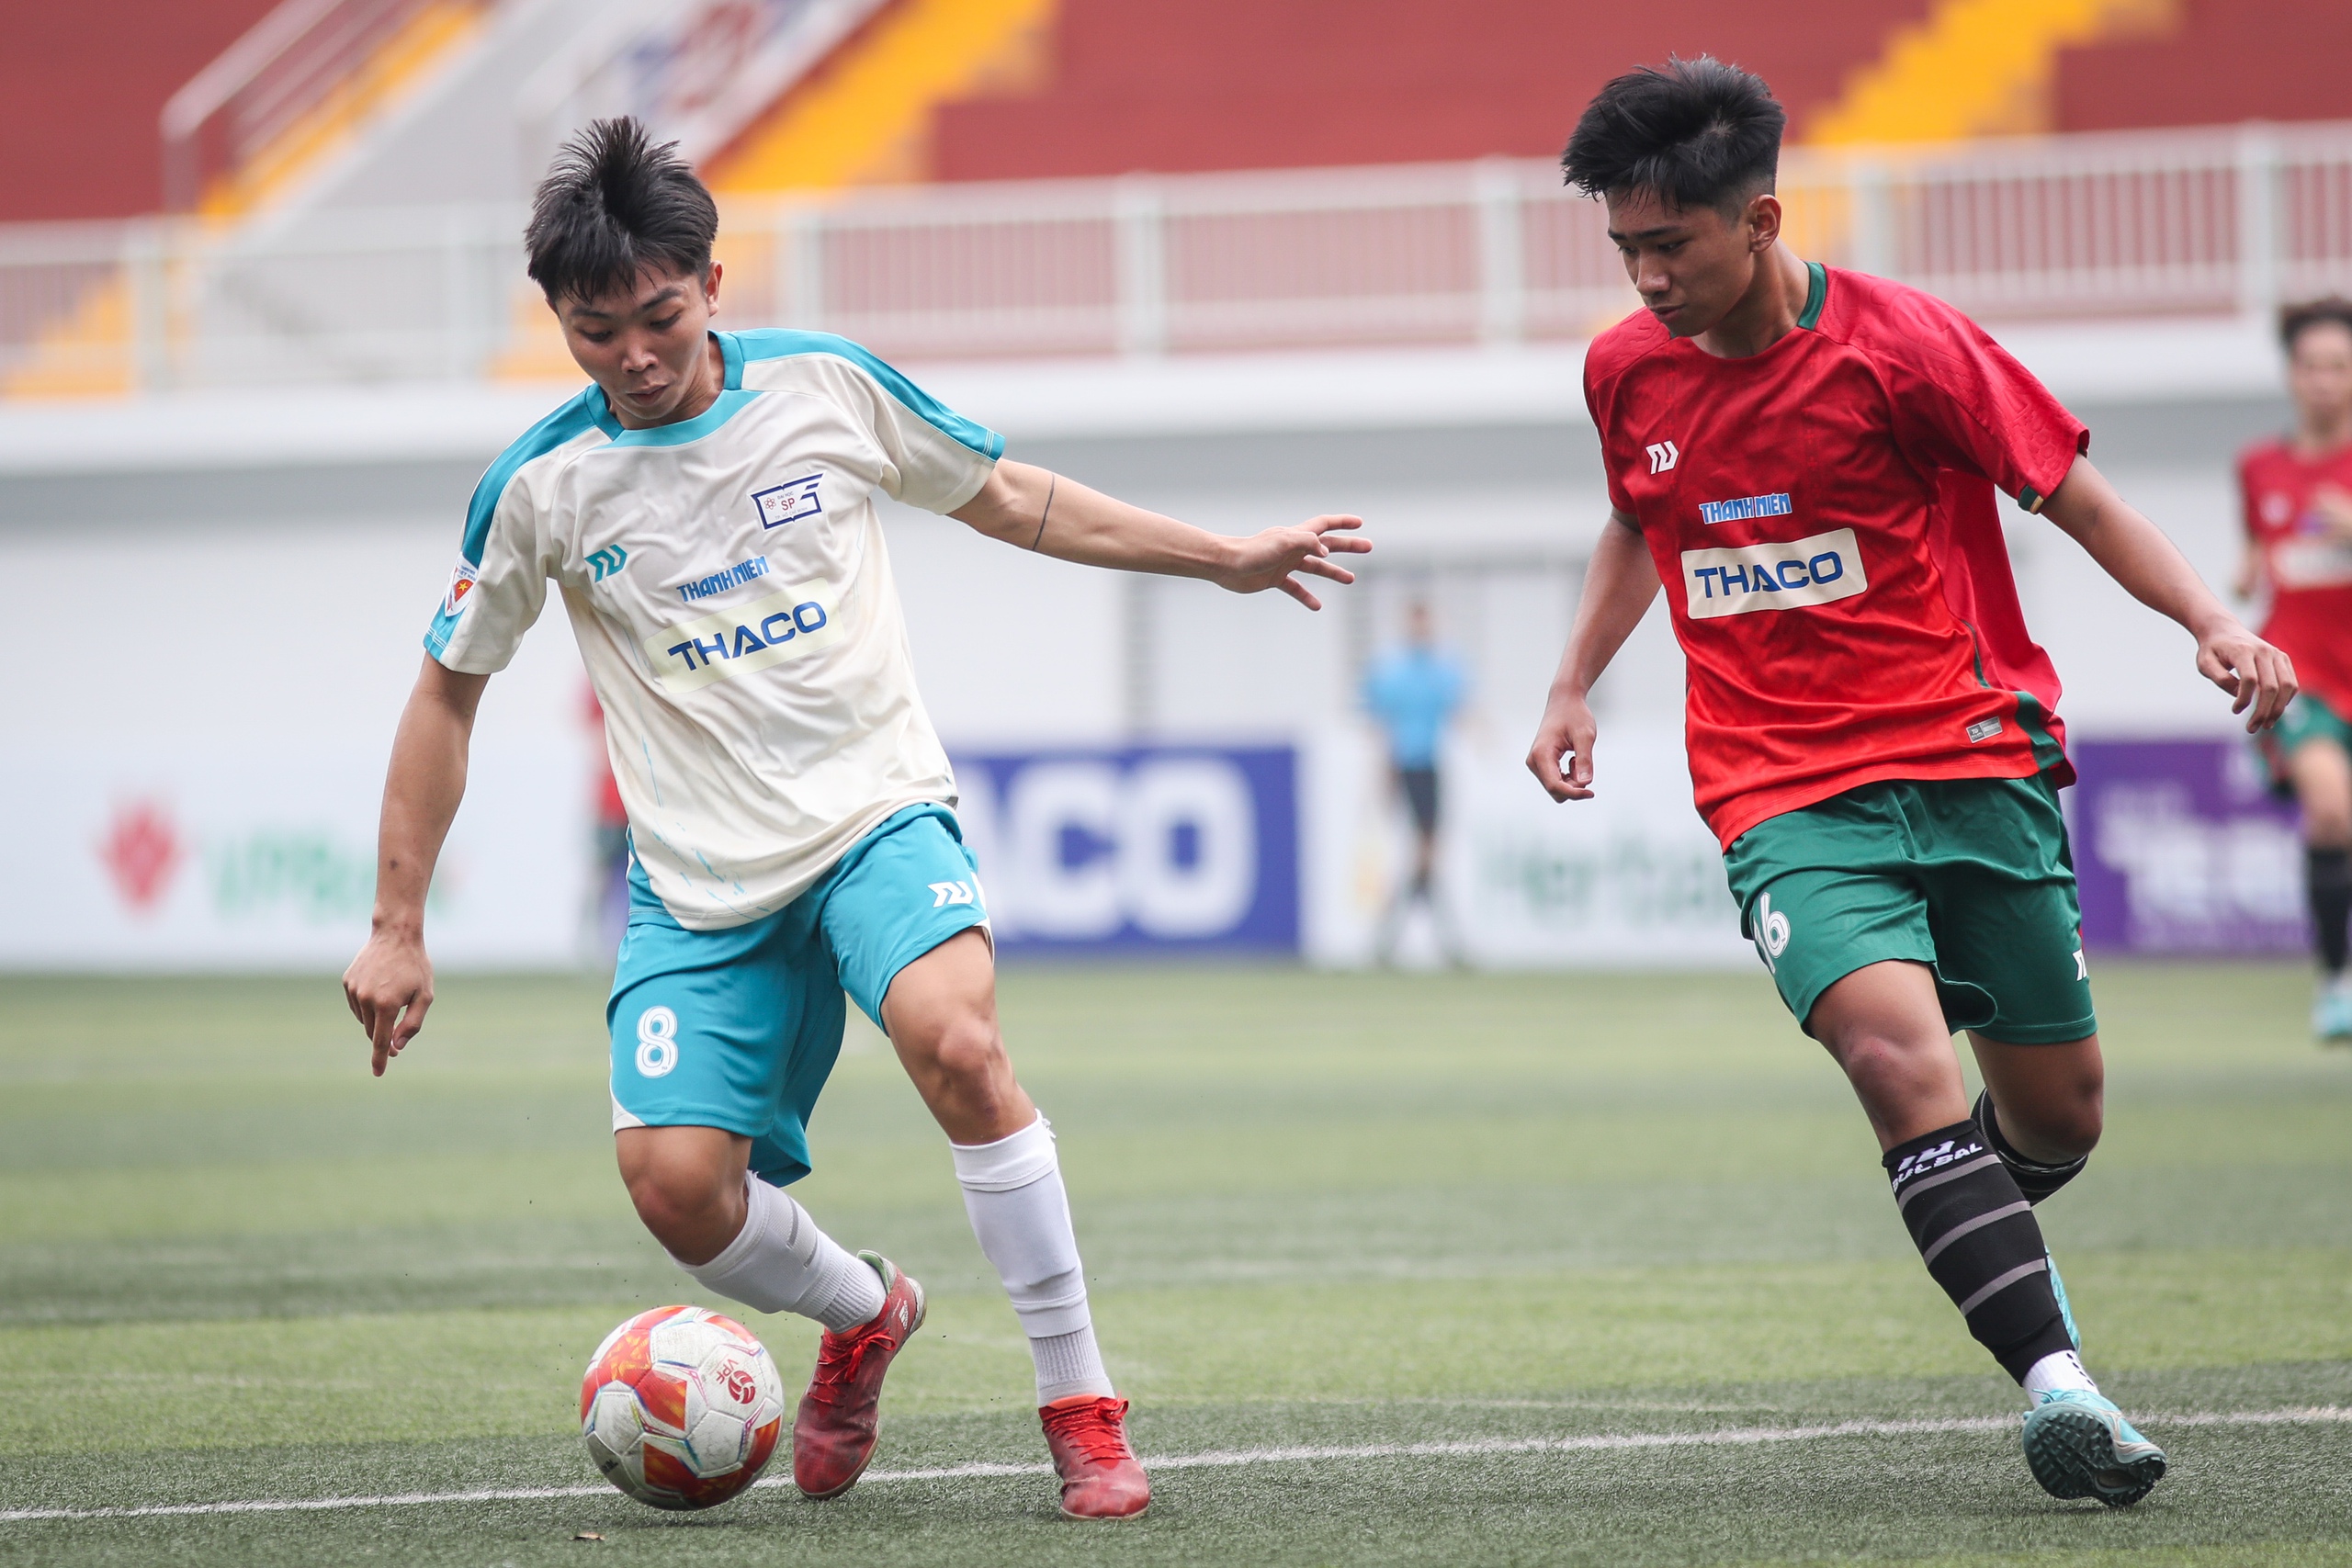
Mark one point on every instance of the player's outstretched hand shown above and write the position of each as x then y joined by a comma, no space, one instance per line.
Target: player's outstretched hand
1271,558
2260,677
1564,736
390,985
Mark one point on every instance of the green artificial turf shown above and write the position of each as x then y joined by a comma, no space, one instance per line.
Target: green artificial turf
1342,1212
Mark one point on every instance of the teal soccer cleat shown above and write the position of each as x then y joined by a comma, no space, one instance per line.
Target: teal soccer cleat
2065,1308
2078,1445
2332,1011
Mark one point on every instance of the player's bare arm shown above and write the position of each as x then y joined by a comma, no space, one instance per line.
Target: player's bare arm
1618,587
2135,552
390,985
1055,516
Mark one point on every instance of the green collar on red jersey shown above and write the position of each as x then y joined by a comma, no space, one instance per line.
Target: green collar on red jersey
1817,295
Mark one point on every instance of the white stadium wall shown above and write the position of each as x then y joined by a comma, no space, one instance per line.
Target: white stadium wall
219,607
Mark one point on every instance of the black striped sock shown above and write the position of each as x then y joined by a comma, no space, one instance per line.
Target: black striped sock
1977,1234
2328,875
2035,1179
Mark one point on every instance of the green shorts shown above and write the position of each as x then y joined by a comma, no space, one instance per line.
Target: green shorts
1970,876
2309,719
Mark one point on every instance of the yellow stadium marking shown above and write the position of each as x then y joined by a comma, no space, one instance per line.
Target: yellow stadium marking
863,116
1974,68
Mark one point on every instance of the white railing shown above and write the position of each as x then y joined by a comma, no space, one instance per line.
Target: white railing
699,73
2138,224
285,66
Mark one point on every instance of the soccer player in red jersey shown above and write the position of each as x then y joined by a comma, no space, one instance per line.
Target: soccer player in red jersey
1805,458
2298,495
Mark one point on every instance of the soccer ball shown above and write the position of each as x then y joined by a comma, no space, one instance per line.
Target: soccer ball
681,1407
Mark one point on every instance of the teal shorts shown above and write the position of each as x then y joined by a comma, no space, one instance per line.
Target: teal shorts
738,1028
1971,877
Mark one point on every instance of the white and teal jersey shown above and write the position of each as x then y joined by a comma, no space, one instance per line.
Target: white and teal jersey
728,582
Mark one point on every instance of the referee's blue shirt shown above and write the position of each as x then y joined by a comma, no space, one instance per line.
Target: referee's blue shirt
1412,691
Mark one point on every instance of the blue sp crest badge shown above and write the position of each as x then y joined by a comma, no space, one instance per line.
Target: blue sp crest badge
787,503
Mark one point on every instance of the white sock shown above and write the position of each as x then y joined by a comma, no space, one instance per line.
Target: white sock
2059,1369
1069,1365
1013,1191
780,1262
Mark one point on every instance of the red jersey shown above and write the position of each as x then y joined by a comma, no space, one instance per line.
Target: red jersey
2308,567
1823,517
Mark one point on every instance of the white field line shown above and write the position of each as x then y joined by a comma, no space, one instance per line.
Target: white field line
1735,1437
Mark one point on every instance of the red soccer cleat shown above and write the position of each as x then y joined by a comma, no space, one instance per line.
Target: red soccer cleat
833,1437
1100,1479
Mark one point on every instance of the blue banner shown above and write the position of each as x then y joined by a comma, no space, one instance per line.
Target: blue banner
1136,849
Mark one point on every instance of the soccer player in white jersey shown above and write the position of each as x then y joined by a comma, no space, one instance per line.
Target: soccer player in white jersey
706,509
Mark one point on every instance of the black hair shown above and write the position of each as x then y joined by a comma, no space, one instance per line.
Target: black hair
2296,319
613,204
1697,133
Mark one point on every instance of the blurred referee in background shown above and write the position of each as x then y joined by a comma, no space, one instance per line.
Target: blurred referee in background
1413,692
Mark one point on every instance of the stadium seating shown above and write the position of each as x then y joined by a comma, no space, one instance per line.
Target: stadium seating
1232,84
2225,61
78,107
1974,68
866,113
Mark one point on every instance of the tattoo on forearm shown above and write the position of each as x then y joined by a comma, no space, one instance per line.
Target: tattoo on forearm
1051,480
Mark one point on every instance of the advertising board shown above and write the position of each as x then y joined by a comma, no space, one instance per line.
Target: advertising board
235,859
2180,848
1108,850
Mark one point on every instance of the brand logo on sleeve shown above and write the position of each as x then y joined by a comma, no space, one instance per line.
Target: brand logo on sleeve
738,641
1663,456
787,503
461,582
606,562
1747,506
1816,570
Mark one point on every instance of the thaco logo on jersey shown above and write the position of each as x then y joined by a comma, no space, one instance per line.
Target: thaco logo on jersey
738,641
1815,571
787,503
